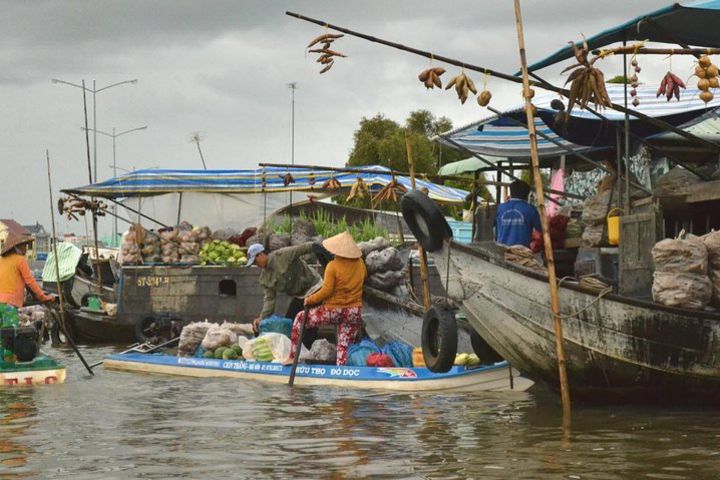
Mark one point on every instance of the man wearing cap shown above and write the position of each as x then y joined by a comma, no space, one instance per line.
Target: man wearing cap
283,271
15,275
340,298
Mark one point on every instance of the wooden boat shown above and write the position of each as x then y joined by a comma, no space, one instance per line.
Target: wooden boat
484,378
618,348
41,371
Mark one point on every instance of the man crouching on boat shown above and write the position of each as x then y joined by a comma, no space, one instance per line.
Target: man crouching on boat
516,218
15,275
340,298
286,272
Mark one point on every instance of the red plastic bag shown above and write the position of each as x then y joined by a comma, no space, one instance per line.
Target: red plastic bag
379,360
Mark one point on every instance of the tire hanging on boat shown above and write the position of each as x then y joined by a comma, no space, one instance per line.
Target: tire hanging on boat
439,338
483,349
425,220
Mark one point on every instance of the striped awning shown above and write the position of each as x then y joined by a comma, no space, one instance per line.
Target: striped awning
150,182
502,137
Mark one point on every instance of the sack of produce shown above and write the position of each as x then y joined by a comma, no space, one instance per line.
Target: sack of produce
594,235
683,290
191,337
238,328
523,256
189,248
400,352
303,231
190,259
246,345
378,243
712,243
217,336
379,360
678,256
224,233
276,324
674,182
596,208
278,241
323,351
383,260
358,353
714,276
168,234
386,280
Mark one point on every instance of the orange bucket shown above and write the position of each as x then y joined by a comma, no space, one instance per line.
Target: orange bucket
613,224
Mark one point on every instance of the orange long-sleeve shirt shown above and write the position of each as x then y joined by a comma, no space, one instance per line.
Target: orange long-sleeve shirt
15,274
342,284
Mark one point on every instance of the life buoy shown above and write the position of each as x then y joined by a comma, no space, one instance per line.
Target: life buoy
439,338
483,349
425,220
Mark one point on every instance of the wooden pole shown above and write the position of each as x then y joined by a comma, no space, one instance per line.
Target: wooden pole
98,273
634,50
424,277
511,78
554,296
61,300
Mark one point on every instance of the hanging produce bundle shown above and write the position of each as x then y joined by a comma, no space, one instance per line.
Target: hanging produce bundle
431,77
71,207
670,86
391,192
287,179
707,74
463,85
327,56
331,184
358,190
588,82
634,82
483,99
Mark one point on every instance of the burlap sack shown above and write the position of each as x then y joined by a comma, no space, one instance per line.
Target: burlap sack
678,256
596,208
682,290
712,243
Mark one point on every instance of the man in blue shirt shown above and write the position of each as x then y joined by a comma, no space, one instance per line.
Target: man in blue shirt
516,219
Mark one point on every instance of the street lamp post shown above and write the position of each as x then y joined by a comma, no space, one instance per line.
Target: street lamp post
94,92
114,135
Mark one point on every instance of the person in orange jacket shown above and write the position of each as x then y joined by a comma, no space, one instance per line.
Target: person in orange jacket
15,275
340,298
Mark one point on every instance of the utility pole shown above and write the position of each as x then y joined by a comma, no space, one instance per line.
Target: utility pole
293,87
195,138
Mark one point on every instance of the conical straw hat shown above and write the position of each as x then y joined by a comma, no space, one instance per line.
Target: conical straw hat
13,240
343,245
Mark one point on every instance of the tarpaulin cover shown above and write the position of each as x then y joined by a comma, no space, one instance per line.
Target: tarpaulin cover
694,23
151,182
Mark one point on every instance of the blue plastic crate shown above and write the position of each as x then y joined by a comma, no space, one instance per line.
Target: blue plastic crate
462,231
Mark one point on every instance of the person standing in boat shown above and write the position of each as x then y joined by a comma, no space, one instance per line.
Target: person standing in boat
286,272
339,301
15,275
516,218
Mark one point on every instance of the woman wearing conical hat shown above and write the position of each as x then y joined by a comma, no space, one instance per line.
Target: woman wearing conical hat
340,299
15,275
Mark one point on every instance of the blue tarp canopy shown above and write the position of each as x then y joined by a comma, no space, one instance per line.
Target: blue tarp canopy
152,182
695,23
585,133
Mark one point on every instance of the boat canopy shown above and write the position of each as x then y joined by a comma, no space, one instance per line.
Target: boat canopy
694,23
151,182
502,136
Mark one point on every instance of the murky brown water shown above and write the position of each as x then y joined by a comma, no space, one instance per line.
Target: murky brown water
120,425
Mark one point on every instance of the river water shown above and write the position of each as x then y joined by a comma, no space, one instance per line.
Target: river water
122,425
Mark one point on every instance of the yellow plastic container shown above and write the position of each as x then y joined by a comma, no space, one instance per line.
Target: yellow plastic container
418,359
613,224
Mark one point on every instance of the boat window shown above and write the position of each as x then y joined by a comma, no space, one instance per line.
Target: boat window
228,287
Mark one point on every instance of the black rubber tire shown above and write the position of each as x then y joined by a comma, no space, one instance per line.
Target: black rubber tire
483,350
439,338
139,329
57,336
425,220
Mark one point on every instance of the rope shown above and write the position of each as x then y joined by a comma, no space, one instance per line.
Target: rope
591,283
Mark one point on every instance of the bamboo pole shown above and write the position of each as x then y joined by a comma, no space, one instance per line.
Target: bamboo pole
511,78
98,273
61,299
634,50
424,277
554,296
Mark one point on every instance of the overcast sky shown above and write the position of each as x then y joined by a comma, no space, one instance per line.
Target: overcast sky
222,68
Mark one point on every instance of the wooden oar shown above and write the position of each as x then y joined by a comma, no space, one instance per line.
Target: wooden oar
70,340
134,348
293,369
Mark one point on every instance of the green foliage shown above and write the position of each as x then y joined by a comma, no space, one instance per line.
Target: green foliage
326,227
381,141
280,224
619,79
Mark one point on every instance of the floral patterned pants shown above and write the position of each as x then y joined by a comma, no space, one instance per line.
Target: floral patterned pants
347,319
8,318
